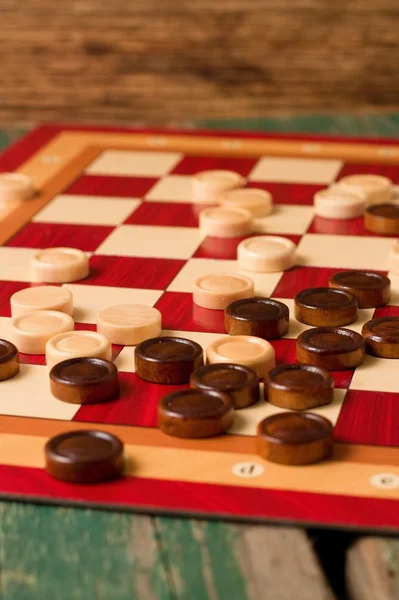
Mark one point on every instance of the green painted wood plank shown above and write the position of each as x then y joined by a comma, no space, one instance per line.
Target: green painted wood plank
218,561
76,554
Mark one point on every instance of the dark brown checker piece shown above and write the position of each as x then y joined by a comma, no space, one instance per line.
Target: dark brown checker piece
239,382
168,359
332,348
84,380
261,317
294,438
195,413
382,337
371,289
299,387
382,219
325,307
84,456
9,360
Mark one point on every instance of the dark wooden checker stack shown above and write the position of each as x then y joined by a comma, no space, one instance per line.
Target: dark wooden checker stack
58,165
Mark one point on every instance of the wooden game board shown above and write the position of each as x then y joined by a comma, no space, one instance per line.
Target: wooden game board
124,197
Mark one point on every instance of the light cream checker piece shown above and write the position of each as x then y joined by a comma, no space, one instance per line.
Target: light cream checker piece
277,169
151,242
90,299
246,421
125,359
87,210
197,267
344,251
296,328
132,163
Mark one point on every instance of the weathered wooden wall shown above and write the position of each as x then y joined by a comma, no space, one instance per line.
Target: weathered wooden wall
172,60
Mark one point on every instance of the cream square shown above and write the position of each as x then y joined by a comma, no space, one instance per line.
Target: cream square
246,421
172,188
394,277
15,264
134,163
87,210
285,218
125,359
90,299
153,242
296,328
344,251
28,395
296,170
376,375
196,267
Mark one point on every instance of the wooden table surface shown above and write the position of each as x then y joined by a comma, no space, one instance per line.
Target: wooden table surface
77,554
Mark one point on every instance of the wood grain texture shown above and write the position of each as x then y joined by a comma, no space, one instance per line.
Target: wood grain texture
159,61
216,561
372,570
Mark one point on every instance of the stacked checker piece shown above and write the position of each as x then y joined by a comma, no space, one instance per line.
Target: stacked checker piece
81,370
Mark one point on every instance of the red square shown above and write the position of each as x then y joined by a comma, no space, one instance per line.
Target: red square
132,272
289,193
136,405
390,171
341,227
386,311
369,418
52,235
7,289
285,349
300,278
170,214
179,312
190,165
107,185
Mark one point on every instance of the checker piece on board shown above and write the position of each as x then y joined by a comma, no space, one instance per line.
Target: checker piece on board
224,222
77,344
216,291
9,360
382,337
84,380
239,382
195,413
325,307
15,187
382,219
129,324
336,203
371,289
59,265
294,438
253,352
332,348
299,387
41,297
167,359
84,456
208,186
266,254
30,332
258,202
375,188
260,317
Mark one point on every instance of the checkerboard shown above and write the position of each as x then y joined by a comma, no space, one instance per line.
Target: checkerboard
124,197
